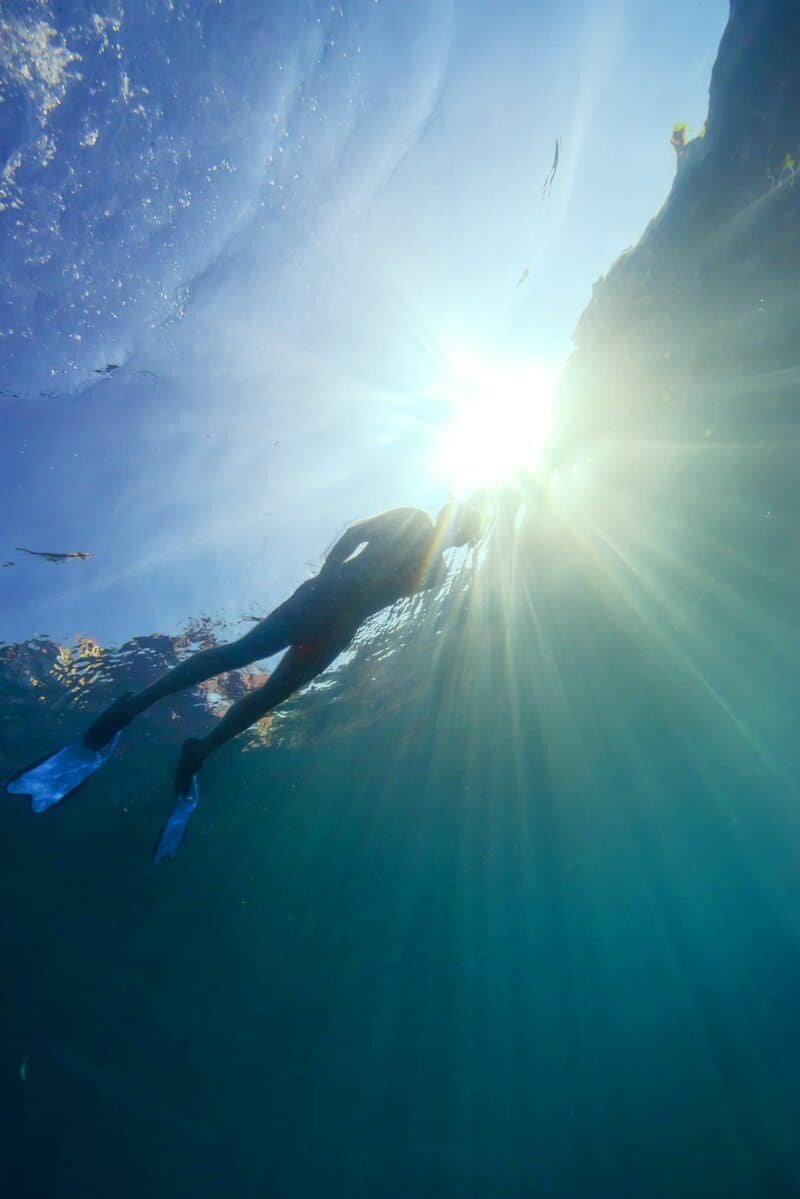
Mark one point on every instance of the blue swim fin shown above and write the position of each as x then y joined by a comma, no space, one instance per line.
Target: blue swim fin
173,831
53,778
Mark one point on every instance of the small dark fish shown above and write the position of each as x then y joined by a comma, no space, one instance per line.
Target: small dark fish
523,277
5,564
107,369
52,557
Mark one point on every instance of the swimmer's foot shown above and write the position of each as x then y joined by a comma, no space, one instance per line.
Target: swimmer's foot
114,719
189,763
58,775
188,796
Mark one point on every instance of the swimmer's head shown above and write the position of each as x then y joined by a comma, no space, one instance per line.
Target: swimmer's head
459,524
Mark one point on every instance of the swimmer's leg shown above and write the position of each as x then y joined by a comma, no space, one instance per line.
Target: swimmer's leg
263,641
295,669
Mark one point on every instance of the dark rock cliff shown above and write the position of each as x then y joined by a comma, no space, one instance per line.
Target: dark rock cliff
695,332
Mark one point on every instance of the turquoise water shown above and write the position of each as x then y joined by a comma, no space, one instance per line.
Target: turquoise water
530,932
506,905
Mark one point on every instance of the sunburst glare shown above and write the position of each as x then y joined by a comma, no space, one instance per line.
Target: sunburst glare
498,422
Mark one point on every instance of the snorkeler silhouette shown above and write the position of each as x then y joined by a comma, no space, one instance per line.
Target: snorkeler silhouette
373,564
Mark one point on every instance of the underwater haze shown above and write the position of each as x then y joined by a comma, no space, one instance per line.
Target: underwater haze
505,904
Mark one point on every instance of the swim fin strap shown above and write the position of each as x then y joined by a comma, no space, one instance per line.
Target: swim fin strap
53,778
173,831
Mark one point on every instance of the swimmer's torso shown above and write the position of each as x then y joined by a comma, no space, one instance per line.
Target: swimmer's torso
398,562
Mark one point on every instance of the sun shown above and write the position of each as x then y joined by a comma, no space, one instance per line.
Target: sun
499,417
